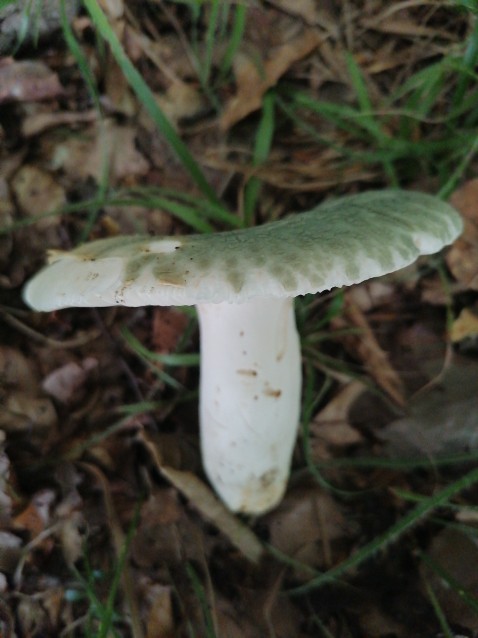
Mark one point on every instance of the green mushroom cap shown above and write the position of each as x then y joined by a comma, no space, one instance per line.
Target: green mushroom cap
338,243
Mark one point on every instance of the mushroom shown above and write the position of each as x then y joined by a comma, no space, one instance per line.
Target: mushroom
243,283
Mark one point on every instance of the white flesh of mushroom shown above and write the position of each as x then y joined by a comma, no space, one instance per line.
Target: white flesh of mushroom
249,399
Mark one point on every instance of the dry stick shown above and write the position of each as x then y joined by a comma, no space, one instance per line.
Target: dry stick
77,342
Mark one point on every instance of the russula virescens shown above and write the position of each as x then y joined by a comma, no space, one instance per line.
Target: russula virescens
243,283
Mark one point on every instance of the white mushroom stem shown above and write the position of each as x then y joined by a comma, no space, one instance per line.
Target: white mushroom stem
249,399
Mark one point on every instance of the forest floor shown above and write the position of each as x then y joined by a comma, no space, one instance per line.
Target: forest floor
173,117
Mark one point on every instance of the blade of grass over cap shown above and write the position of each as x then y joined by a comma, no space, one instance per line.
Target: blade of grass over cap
147,99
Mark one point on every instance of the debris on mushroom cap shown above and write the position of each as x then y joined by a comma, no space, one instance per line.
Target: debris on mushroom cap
341,242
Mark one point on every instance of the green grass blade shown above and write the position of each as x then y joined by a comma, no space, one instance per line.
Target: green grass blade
79,56
452,182
234,40
210,41
366,108
392,534
173,360
263,142
205,208
148,100
151,359
470,59
109,612
445,627
186,214
203,602
468,597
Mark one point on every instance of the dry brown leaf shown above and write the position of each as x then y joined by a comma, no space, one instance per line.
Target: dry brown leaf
462,258
40,121
331,426
375,623
202,498
5,490
163,526
32,618
465,326
36,516
253,81
16,370
180,101
308,10
103,145
405,27
117,92
37,192
10,551
23,412
366,348
232,621
168,326
71,537
64,382
456,554
370,294
113,8
320,521
160,620
27,81
6,218
441,419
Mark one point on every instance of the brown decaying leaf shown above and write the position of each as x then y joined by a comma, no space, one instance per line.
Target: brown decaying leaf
27,81
307,10
36,515
10,552
36,192
6,218
462,258
16,370
24,412
64,382
203,499
465,326
6,617
5,488
40,121
113,8
367,349
320,520
456,553
441,419
160,620
253,80
330,427
104,145
168,326
316,174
